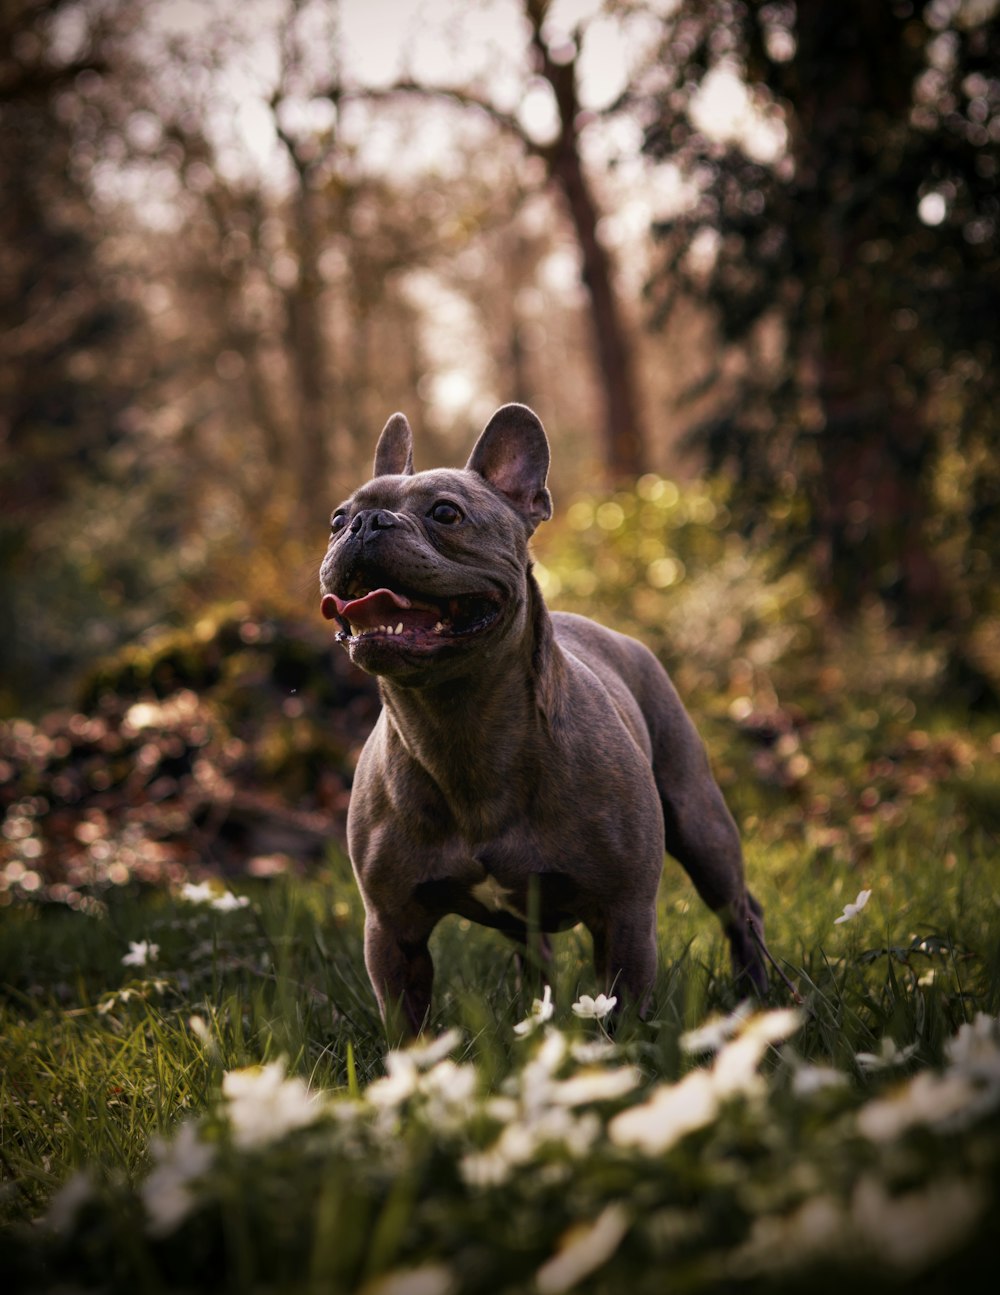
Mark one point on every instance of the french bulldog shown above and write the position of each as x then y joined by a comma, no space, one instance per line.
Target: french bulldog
527,768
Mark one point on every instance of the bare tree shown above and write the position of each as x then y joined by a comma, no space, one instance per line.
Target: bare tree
623,434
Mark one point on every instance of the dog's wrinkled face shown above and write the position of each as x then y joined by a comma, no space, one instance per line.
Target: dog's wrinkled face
424,568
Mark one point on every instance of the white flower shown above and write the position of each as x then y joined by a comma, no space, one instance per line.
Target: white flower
431,1279
227,902
735,1068
595,1086
814,1079
75,1192
424,1055
448,1088
713,1034
912,1230
589,1052
425,1069
541,1011
140,952
852,910
594,1009
485,1168
263,1105
925,1099
781,1242
398,1085
167,1193
200,893
975,1049
672,1111
889,1054
584,1249
204,892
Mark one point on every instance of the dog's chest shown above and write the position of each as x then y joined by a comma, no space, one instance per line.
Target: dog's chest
495,897
507,901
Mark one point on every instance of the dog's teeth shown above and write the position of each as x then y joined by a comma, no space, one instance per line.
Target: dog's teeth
355,632
399,628
439,627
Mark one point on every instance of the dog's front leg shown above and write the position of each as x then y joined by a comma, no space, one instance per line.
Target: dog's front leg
402,974
625,954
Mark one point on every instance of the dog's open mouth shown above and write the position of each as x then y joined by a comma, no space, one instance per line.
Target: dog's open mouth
413,621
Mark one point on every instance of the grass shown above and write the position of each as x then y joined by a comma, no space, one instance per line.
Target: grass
101,1059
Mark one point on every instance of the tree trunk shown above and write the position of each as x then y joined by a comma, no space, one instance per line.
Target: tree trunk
623,433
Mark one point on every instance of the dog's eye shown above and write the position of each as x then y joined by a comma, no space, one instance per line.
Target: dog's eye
445,513
337,522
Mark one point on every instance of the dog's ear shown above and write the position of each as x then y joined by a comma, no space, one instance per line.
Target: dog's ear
512,454
394,452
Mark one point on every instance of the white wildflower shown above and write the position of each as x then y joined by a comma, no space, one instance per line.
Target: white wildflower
671,1112
713,1034
780,1242
522,1138
201,892
431,1279
263,1105
589,1052
912,1230
594,1009
735,1068
426,1070
595,1086
75,1192
889,1054
925,1099
227,902
852,910
448,1089
541,1011
975,1049
809,1079
774,1027
584,1249
398,1085
485,1168
424,1055
167,1192
140,952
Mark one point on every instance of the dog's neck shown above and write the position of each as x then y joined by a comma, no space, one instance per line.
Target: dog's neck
479,736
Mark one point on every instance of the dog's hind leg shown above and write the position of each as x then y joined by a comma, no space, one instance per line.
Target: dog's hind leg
700,834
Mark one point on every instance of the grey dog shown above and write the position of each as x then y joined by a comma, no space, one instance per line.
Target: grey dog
525,765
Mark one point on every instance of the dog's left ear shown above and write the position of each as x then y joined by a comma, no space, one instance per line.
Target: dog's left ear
394,452
512,454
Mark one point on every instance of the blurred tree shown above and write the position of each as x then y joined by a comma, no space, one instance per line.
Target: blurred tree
623,439
64,315
858,269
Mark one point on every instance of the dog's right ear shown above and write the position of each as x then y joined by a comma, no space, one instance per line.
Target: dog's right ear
394,452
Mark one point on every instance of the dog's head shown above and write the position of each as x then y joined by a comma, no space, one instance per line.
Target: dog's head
425,568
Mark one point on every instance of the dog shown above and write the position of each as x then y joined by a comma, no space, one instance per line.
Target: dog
527,768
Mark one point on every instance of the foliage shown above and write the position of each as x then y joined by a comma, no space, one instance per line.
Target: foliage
229,745
865,1148
855,264
141,1149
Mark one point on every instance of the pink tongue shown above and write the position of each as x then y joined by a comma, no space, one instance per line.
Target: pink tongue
380,607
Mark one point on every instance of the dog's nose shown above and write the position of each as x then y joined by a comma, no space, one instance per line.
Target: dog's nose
374,519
